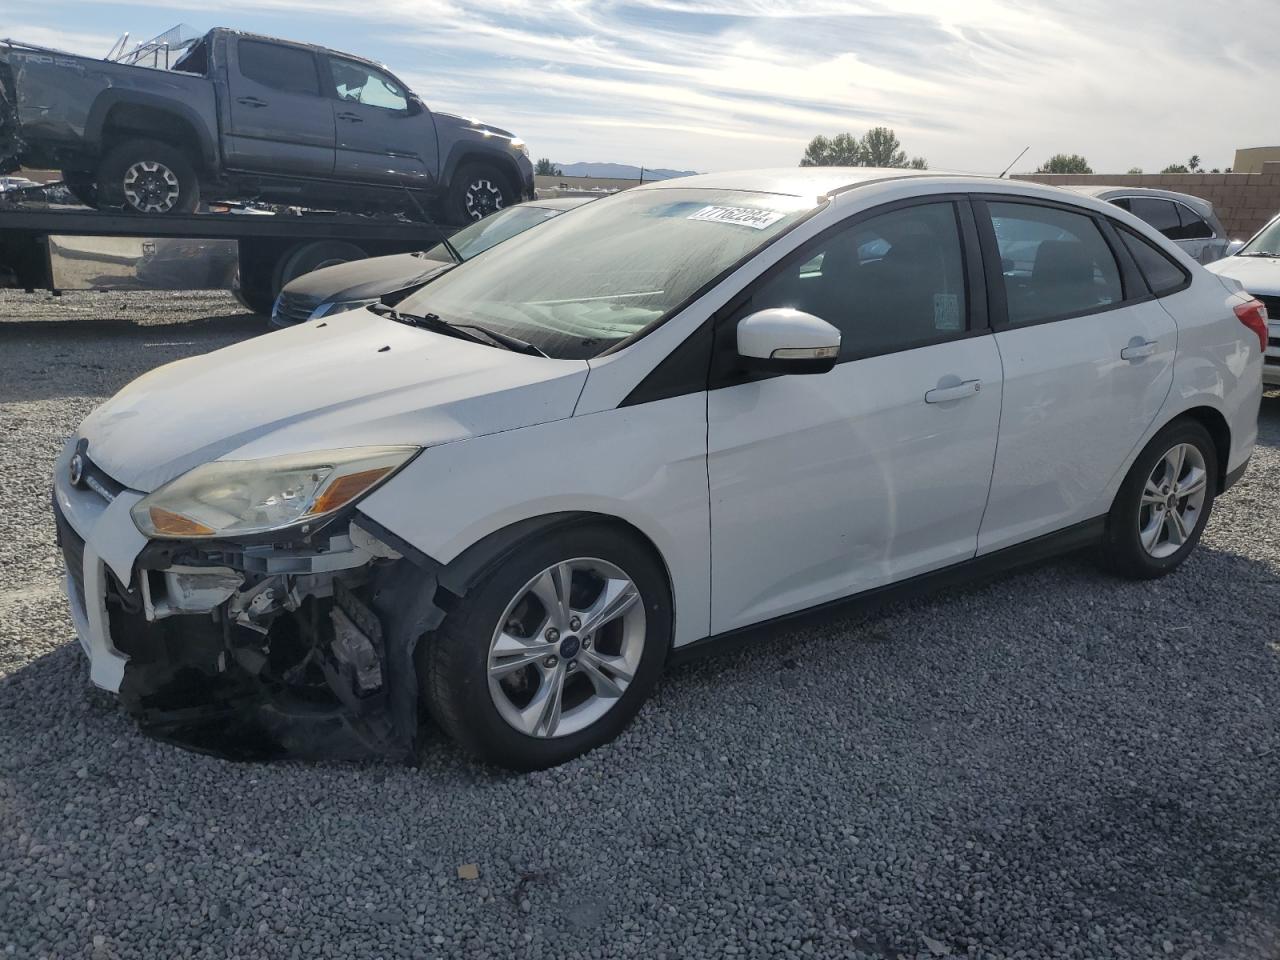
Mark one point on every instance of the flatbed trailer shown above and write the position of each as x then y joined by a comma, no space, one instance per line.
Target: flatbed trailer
252,254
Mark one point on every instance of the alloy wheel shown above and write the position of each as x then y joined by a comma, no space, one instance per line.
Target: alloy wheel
482,198
566,648
1173,500
151,187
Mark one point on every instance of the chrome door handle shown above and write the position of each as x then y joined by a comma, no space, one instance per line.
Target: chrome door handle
1137,349
960,391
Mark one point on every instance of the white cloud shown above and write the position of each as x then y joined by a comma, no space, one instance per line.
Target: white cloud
712,84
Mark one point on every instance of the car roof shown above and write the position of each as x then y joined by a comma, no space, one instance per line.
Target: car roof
792,181
1105,192
558,203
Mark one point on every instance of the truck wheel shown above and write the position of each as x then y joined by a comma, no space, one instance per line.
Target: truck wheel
477,190
81,186
147,176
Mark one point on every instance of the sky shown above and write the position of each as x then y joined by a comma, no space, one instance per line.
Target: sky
717,85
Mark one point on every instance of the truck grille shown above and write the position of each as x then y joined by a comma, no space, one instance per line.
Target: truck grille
1273,307
291,308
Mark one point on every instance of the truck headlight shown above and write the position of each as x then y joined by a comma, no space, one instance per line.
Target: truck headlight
225,498
519,146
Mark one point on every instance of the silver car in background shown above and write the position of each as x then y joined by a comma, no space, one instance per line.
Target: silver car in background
1257,266
1188,221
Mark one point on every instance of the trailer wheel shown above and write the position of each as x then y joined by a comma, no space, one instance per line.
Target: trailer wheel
147,176
81,185
316,255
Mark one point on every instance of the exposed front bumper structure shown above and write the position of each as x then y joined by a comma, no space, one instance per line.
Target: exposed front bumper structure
298,648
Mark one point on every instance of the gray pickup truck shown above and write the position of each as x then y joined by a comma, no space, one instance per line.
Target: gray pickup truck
239,116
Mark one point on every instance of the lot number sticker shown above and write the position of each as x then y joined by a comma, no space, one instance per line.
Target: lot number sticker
752,217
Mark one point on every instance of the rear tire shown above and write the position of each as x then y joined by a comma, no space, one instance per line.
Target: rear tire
147,177
473,694
1163,504
315,256
476,191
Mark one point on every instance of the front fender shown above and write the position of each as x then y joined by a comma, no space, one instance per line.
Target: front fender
644,465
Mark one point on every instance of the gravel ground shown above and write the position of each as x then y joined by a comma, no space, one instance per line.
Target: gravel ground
1056,764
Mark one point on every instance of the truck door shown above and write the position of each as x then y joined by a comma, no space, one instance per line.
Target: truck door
383,134
280,122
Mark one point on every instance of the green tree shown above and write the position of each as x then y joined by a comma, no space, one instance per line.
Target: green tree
1065,163
842,150
545,168
878,148
1135,170
1176,168
1194,163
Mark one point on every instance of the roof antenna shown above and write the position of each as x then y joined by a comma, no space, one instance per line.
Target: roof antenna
1010,166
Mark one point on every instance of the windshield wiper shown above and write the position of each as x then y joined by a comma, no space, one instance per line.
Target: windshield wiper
506,340
426,321
1258,253
432,322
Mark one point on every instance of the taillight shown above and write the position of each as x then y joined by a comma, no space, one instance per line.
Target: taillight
1253,315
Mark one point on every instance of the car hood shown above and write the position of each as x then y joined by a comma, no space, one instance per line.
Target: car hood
354,380
452,119
365,279
1259,275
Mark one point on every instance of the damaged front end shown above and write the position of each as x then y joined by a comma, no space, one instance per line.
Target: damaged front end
301,648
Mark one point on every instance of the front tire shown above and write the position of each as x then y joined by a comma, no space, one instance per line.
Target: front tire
147,177
476,191
554,651
1163,504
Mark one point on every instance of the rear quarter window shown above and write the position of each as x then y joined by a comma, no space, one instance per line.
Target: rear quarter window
1161,273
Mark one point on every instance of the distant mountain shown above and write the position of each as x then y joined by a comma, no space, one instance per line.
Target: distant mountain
621,171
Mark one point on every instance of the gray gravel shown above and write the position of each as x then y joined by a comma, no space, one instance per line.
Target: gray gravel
1053,765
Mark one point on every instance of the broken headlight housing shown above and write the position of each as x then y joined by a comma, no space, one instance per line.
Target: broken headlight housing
229,498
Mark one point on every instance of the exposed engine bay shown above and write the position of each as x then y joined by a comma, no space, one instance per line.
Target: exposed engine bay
259,651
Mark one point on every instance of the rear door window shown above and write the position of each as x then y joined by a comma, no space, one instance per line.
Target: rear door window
1161,214
1054,263
290,69
1192,226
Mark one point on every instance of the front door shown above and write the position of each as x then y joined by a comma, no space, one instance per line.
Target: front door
279,121
1088,363
826,485
383,136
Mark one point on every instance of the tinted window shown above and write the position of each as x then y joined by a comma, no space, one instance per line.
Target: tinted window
358,83
889,283
1161,214
1055,263
1194,227
1161,273
284,68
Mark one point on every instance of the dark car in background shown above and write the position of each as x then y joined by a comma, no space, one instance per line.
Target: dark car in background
1188,221
241,116
359,283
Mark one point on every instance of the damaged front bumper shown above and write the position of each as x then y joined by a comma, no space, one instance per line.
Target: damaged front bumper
297,647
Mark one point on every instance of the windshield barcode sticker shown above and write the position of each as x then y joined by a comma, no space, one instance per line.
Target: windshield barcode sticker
752,217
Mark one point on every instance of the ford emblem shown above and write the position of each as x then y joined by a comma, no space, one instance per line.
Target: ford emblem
75,469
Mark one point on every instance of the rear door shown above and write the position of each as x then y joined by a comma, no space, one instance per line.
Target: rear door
279,120
383,135
1087,354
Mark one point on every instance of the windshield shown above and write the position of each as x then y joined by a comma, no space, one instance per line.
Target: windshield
1265,244
491,231
577,286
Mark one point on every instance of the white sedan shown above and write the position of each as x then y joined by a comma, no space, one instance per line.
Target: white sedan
659,423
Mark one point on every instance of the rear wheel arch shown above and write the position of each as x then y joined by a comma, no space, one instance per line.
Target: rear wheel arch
1213,421
114,122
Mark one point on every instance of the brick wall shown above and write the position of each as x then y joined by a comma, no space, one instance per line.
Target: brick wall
1243,201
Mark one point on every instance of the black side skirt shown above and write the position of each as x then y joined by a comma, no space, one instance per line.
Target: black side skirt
1077,537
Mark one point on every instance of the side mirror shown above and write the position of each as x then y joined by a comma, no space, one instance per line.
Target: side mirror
416,105
782,340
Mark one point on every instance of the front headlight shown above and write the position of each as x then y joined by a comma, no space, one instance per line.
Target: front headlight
226,498
338,306
519,146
